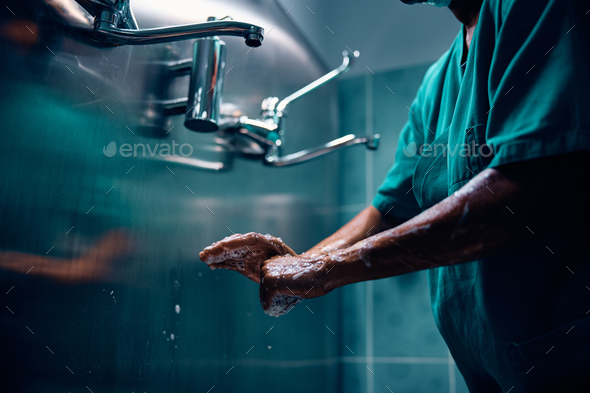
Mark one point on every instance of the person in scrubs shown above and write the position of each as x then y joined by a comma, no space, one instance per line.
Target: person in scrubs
488,191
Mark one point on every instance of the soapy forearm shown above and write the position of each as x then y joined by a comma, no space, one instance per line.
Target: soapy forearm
492,212
364,224
486,216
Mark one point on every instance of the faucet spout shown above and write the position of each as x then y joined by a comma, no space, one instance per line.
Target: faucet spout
106,28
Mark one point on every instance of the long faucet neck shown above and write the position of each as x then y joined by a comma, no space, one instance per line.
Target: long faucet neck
107,22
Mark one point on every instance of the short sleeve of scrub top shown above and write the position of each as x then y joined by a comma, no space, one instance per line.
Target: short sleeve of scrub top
539,81
525,94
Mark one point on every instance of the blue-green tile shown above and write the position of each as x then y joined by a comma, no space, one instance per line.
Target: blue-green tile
403,322
411,378
353,378
352,108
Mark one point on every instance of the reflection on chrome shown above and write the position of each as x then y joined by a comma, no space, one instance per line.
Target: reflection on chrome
112,23
195,163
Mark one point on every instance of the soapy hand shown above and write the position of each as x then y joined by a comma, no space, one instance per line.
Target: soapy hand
244,253
286,280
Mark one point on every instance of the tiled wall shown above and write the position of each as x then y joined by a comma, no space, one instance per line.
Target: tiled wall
389,339
158,320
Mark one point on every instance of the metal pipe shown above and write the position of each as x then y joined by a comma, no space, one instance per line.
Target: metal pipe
174,107
206,85
106,21
180,67
111,22
372,142
196,163
347,62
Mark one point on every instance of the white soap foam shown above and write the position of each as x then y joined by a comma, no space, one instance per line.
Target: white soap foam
337,257
282,304
229,254
295,277
296,269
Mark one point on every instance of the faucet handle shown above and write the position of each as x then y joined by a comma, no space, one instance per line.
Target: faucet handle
269,104
347,62
373,141
273,158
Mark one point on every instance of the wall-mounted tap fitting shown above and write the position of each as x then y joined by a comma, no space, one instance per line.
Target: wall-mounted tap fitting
112,23
254,138
206,85
270,130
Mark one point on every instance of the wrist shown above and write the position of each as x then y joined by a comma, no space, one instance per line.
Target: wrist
318,251
326,276
339,268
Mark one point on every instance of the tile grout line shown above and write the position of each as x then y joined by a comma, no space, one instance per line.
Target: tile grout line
397,360
452,376
368,193
370,360
369,131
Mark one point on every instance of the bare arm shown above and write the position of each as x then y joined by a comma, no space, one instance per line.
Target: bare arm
368,222
245,253
487,215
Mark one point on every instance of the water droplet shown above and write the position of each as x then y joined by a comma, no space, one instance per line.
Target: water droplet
177,309
269,347
171,336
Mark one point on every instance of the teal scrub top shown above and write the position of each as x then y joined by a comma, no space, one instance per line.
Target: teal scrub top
522,93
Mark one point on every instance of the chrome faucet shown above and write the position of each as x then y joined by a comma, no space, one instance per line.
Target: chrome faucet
109,26
254,138
206,85
269,131
112,23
